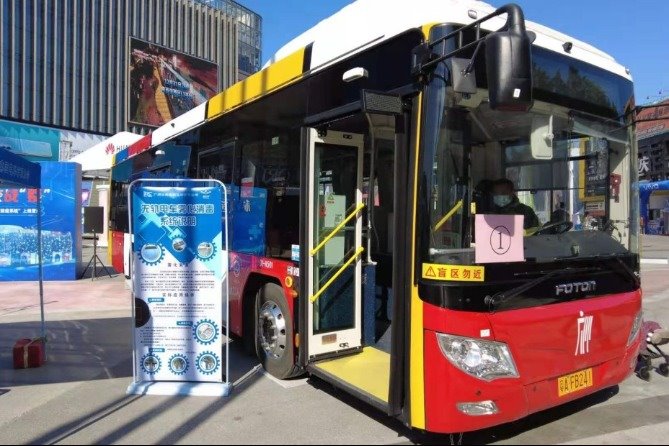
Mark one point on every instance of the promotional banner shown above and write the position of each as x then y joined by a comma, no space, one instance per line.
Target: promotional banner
61,226
179,266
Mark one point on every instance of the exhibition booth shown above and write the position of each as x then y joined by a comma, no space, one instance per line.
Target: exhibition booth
654,207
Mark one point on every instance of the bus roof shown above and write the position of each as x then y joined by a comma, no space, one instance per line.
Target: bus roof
368,22
358,26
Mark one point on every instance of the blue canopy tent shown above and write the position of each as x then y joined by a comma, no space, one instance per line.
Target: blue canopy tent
18,172
645,190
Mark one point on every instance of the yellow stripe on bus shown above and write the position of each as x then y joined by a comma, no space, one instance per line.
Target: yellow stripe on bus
416,356
274,76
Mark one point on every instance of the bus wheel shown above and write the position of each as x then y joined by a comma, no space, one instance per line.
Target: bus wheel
274,332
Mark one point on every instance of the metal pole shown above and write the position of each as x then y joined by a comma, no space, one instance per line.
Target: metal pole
39,258
227,290
132,289
95,255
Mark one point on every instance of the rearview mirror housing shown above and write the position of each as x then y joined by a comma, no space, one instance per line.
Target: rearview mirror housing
509,70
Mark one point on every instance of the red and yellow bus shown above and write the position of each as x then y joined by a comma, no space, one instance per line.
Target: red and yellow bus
432,207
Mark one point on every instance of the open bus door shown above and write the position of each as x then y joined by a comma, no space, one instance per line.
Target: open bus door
339,277
334,244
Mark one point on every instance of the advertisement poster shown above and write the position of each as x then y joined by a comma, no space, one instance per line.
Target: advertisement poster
596,166
179,265
61,226
164,83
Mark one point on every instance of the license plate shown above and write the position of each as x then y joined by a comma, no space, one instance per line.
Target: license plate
574,382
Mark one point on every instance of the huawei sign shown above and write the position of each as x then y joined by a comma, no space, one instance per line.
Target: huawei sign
112,149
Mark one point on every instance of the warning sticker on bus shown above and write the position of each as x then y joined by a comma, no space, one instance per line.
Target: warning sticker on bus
457,273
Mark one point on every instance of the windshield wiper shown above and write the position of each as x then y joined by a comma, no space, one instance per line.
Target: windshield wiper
500,297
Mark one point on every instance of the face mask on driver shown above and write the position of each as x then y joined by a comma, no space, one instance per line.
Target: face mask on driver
502,200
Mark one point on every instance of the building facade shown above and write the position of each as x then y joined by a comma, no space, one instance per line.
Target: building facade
653,139
99,67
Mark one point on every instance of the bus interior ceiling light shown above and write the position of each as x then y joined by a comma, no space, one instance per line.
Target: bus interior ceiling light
354,74
160,152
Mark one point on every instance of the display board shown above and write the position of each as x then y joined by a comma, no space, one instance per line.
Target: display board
179,269
61,226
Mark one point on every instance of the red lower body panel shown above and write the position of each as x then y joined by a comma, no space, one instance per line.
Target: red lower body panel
445,386
545,345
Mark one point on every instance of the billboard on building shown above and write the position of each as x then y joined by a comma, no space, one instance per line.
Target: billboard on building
163,83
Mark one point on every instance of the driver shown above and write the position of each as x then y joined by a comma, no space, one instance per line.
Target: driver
506,202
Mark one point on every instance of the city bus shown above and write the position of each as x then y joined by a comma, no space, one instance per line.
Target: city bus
432,207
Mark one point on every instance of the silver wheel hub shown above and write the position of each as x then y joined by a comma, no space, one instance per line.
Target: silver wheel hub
272,330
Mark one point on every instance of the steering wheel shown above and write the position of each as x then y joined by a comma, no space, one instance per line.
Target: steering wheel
555,228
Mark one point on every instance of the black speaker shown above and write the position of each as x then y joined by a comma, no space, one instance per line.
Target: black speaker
94,220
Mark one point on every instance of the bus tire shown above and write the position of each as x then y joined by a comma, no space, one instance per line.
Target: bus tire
274,332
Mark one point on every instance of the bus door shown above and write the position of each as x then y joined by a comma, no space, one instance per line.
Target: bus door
334,243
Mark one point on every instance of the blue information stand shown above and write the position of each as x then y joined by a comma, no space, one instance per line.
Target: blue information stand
17,172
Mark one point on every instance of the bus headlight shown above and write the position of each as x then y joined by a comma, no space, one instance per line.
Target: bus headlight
636,326
486,360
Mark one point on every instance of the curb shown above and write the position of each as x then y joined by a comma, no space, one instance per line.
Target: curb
655,261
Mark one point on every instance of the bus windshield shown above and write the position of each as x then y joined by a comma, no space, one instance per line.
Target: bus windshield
577,201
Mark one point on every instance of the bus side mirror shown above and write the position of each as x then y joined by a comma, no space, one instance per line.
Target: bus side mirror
509,70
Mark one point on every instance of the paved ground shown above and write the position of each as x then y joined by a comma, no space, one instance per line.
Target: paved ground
79,397
655,247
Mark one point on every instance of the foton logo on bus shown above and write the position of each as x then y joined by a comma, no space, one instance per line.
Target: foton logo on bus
584,334
575,287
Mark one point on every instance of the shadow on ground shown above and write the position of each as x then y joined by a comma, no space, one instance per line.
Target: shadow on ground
88,349
77,350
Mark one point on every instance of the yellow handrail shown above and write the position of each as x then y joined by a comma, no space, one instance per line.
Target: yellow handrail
337,274
337,229
446,217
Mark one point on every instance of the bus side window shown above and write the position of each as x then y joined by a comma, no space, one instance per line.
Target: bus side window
269,178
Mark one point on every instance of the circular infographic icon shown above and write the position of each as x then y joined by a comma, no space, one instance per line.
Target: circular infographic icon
205,331
150,364
179,244
178,364
207,363
151,253
205,250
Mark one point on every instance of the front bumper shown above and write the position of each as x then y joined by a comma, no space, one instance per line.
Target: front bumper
445,386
